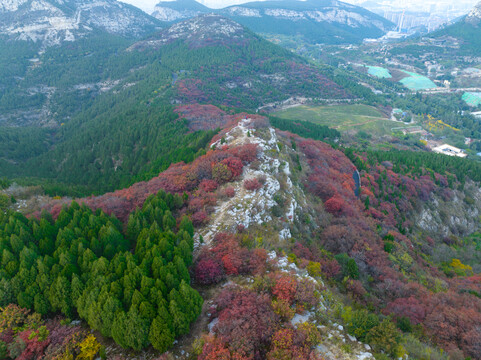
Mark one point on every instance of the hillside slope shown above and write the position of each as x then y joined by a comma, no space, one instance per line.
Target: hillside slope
279,228
50,22
207,60
326,21
170,11
467,31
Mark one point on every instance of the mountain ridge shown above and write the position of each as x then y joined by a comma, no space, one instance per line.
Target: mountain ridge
327,21
51,22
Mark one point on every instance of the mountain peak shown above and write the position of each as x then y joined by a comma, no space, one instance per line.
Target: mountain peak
474,17
203,30
178,9
52,22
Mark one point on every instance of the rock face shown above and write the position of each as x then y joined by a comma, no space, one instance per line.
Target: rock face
51,22
474,17
204,29
170,11
315,21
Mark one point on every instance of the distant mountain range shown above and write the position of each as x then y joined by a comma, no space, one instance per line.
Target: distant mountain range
324,21
49,22
467,30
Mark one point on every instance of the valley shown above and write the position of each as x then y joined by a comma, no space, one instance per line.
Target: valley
262,181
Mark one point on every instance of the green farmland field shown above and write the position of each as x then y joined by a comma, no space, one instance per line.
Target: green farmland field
342,117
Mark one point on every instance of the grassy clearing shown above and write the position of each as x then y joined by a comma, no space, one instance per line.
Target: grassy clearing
342,117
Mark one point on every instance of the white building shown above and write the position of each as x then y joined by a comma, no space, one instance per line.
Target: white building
449,150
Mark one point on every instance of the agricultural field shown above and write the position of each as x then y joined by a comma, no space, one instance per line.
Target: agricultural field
417,82
342,117
472,98
379,72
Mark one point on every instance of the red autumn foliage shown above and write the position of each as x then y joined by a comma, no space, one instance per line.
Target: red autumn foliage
247,153
208,270
246,321
234,258
208,185
215,350
34,349
200,218
285,288
335,205
235,166
177,179
252,184
306,294
229,191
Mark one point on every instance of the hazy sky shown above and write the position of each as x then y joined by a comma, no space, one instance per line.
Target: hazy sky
148,5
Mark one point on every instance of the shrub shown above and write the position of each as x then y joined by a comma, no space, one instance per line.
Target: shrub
385,337
221,173
208,185
208,271
200,218
361,322
404,324
229,191
283,309
314,269
252,184
285,288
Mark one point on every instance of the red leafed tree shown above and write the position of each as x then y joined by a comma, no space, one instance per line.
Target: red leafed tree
229,191
285,345
285,288
200,218
247,153
246,321
208,185
335,205
208,270
252,184
34,348
235,166
409,307
215,350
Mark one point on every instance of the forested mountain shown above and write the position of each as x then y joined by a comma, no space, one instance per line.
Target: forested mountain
312,21
109,103
50,22
293,257
326,21
467,31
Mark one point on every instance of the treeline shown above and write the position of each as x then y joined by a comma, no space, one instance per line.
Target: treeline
133,287
112,150
450,109
305,129
469,35
421,163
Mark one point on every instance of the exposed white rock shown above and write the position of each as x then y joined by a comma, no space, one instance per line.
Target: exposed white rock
47,23
243,11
